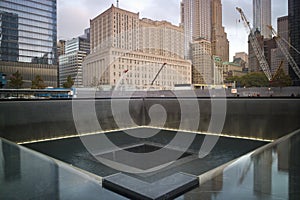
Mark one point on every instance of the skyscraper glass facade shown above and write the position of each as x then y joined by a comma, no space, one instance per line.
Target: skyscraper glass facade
28,31
262,17
294,30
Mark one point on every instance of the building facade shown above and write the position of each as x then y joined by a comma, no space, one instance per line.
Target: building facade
115,28
197,22
202,62
218,77
70,64
161,38
61,46
269,46
128,51
34,27
29,71
244,56
254,65
29,35
278,58
9,43
219,41
262,17
124,70
202,20
294,30
231,69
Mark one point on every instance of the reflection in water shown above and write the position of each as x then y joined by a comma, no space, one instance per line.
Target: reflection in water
283,150
12,165
272,172
26,176
294,169
207,191
263,172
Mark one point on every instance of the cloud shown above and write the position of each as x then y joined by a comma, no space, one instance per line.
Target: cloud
163,10
71,21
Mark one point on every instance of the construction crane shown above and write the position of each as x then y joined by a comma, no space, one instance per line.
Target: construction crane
278,69
255,45
285,52
158,73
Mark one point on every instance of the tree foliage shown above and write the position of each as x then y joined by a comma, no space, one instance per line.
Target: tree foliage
258,79
38,83
95,82
16,80
69,83
254,79
280,79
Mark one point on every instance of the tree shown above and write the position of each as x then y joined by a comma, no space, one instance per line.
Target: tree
16,80
38,83
233,79
95,82
254,79
280,79
69,83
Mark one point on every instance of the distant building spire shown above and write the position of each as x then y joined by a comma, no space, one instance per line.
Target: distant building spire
117,3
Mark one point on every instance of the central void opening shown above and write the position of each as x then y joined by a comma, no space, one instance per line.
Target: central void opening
158,177
146,148
119,156
73,151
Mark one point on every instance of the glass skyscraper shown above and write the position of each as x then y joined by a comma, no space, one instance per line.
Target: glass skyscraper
262,17
28,31
294,31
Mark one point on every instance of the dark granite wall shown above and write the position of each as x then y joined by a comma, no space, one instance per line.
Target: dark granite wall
268,118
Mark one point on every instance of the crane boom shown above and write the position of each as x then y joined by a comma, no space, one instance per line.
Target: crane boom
256,47
285,52
158,73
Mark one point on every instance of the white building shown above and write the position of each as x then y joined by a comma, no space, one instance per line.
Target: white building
121,69
70,64
262,17
161,38
128,51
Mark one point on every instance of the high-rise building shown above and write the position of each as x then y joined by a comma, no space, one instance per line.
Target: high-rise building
126,50
9,40
70,64
29,35
254,65
115,28
278,59
35,24
267,46
262,17
197,22
202,20
294,30
219,41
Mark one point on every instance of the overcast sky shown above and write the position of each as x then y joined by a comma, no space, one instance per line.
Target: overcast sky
74,15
